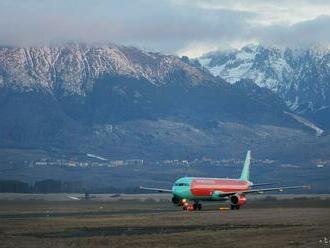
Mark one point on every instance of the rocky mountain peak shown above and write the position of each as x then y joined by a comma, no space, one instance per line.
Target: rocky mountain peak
300,76
73,68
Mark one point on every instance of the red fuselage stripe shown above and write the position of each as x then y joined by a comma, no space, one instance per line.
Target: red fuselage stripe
205,187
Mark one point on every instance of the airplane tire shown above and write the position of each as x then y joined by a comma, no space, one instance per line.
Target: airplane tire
195,206
199,206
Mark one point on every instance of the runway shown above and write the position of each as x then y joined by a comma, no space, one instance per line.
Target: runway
143,222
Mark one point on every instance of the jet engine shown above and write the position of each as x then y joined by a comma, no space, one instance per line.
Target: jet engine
238,200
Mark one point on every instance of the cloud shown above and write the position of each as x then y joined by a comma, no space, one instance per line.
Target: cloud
303,33
189,27
155,25
270,11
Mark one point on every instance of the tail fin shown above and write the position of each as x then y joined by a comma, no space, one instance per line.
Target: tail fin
246,169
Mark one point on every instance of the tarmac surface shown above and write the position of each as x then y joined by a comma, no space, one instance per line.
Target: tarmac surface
152,221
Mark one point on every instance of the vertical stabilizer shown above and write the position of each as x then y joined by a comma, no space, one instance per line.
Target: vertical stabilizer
246,168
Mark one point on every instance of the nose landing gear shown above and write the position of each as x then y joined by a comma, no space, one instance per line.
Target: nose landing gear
193,207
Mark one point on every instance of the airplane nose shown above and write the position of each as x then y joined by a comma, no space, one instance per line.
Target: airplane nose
176,192
179,192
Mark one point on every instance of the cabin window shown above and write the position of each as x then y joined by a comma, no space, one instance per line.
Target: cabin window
181,184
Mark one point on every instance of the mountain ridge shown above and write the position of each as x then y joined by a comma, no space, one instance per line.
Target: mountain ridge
297,75
66,67
122,102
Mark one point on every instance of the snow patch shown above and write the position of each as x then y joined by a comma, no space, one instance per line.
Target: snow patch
205,62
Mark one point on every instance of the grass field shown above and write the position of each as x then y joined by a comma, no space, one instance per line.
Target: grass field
139,221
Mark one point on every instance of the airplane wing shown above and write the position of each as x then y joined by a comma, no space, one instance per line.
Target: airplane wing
156,189
261,184
261,191
73,197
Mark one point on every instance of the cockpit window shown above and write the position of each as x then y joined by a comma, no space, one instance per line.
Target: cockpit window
181,184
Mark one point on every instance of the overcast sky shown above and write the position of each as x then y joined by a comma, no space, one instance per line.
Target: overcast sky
184,27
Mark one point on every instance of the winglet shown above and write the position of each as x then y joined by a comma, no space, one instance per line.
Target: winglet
245,175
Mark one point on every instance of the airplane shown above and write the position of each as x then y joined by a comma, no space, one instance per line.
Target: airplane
86,196
197,189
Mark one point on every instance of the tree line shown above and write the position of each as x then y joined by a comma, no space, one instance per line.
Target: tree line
43,186
57,186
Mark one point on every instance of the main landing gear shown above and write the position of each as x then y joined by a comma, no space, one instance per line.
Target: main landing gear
197,206
193,207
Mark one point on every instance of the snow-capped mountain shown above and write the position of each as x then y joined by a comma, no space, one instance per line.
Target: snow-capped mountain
115,83
301,77
73,69
125,102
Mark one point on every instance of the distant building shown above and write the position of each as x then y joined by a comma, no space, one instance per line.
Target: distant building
40,163
134,162
116,163
70,164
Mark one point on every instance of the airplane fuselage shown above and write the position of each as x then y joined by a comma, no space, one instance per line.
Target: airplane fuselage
207,189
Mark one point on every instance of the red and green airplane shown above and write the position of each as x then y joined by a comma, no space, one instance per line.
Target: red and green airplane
196,189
